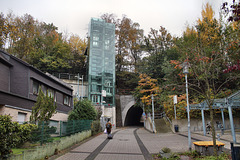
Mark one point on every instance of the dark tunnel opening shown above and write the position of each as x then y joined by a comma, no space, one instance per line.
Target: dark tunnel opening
133,117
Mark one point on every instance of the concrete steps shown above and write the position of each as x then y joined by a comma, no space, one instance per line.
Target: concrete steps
161,126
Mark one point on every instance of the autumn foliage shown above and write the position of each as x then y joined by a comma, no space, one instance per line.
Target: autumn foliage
181,110
147,87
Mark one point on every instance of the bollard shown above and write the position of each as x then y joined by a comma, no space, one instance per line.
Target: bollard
222,130
218,137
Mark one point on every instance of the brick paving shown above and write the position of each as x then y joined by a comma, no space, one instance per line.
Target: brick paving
136,143
155,142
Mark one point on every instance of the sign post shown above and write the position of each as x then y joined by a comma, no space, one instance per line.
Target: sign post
175,102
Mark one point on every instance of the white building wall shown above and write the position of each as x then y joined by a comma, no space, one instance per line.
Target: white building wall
83,89
14,111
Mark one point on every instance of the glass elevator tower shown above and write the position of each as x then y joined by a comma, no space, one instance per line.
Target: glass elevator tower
101,71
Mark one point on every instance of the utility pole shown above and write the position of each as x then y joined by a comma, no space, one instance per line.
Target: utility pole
153,114
82,88
185,71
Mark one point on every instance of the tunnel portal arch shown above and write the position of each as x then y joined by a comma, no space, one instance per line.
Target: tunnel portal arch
129,111
133,117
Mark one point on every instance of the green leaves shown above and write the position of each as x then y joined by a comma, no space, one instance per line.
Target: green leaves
43,109
83,110
57,60
146,87
12,134
8,135
41,45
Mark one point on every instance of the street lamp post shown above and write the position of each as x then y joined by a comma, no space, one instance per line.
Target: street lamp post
82,88
103,94
153,114
175,102
144,116
185,71
78,86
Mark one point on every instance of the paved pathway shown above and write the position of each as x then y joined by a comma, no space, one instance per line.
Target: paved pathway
132,144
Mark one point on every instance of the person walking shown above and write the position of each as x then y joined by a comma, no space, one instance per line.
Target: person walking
208,128
109,129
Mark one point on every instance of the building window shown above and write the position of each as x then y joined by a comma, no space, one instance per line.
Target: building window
95,44
44,89
109,90
107,47
95,38
109,100
108,83
95,98
21,117
66,100
94,88
35,87
107,44
51,93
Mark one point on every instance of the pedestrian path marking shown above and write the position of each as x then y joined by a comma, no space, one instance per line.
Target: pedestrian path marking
94,154
142,146
121,153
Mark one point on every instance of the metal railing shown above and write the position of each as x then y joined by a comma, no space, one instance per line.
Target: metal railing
162,115
159,115
46,131
124,91
67,76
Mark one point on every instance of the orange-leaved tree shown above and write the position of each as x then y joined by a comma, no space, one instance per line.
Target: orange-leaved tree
181,110
147,87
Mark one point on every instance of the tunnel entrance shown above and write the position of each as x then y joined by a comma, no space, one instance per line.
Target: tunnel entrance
133,117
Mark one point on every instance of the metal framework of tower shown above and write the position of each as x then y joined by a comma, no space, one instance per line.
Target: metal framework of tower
101,68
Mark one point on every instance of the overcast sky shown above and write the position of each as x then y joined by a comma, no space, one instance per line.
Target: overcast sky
73,16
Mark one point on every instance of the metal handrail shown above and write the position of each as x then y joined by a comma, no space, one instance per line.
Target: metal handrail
162,115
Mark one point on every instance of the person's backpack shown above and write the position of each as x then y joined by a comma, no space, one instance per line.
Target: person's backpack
108,125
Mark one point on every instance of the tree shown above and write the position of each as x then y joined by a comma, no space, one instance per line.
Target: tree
45,39
128,42
208,57
109,18
83,110
78,59
127,80
181,111
58,59
234,10
135,41
23,37
3,30
129,38
44,108
39,44
8,135
156,44
13,134
146,87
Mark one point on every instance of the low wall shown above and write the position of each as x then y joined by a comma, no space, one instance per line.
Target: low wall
49,149
196,124
149,125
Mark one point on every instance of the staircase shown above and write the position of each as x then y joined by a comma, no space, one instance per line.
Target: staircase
161,126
